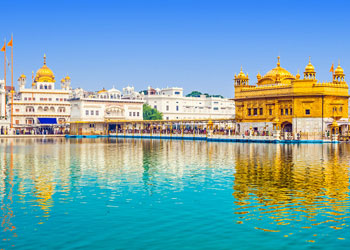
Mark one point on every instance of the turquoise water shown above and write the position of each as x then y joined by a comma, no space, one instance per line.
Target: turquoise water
143,194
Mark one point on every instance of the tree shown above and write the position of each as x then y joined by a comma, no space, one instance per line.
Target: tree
198,94
194,94
150,113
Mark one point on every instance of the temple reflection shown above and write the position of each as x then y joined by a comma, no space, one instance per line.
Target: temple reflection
7,178
288,185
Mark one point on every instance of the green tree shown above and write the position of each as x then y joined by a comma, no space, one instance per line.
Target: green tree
194,94
150,113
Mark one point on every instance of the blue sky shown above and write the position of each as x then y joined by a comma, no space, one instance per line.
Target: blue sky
197,45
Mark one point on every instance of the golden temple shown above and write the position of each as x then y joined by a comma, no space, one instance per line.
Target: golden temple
283,102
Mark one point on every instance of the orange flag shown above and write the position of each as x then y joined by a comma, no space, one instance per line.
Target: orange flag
332,68
4,47
10,44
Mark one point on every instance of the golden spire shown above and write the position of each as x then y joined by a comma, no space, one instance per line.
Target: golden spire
297,75
310,68
258,76
278,61
44,59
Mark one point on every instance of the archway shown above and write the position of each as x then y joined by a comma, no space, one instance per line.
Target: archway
287,127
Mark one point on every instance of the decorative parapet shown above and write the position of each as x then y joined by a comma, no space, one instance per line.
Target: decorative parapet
330,84
272,86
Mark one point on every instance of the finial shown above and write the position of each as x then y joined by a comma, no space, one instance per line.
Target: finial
338,62
241,68
309,59
44,59
278,61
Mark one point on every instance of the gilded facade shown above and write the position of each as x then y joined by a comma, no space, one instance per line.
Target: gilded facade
280,101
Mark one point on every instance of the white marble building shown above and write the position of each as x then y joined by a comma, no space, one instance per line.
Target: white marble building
105,105
43,106
175,106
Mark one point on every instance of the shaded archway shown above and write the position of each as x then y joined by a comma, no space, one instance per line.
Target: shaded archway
287,127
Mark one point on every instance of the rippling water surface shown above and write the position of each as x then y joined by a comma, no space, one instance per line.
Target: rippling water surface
143,194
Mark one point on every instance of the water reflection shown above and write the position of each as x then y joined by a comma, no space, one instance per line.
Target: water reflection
7,197
293,186
284,189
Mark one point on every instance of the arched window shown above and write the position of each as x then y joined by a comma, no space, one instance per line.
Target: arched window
41,86
49,86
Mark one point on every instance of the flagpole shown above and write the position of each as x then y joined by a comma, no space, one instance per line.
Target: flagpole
5,77
12,82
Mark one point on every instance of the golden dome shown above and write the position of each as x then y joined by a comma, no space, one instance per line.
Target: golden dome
277,74
334,124
241,74
309,68
339,70
102,91
44,74
22,76
67,78
258,76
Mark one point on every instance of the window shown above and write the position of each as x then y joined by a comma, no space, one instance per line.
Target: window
138,113
25,98
281,111
133,114
92,125
177,93
291,111
97,113
216,108
29,99
56,99
261,111
307,111
341,109
155,106
17,121
177,108
167,107
270,111
255,111
286,111
87,112
130,114
92,112
17,110
249,112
